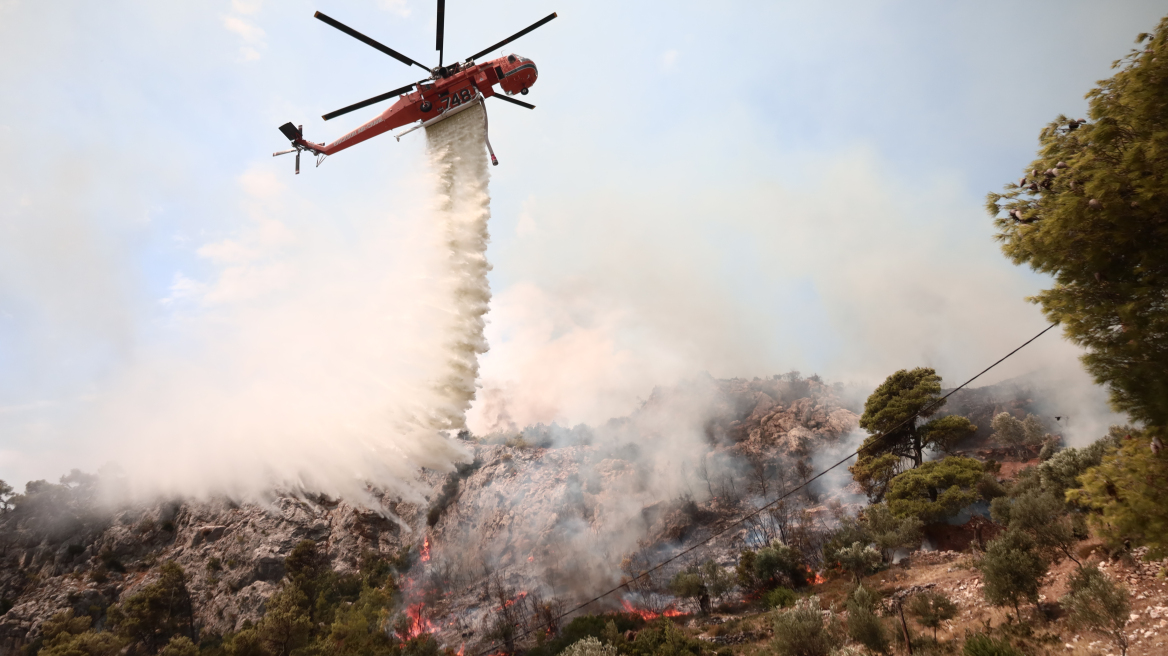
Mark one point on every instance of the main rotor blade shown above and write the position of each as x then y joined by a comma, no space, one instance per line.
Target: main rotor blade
512,37
365,103
441,21
361,37
514,101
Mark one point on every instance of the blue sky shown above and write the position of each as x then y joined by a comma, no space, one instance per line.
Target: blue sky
740,188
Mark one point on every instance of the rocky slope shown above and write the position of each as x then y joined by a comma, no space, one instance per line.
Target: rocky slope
545,514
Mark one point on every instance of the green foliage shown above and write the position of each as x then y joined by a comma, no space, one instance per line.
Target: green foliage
158,611
802,631
864,625
980,644
1095,603
179,646
245,642
688,584
859,559
718,579
930,609
773,565
702,583
1129,491
935,490
375,569
358,628
66,635
1091,214
1042,516
896,433
589,647
286,625
662,638
5,496
1008,430
1012,567
874,473
989,488
945,433
780,597
890,532
605,627
1062,471
305,564
308,569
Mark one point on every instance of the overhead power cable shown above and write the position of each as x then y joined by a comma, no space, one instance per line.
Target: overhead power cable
781,497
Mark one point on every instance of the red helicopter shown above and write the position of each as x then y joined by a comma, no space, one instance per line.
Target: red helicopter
449,90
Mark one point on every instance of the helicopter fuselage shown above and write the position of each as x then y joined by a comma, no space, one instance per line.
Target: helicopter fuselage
433,98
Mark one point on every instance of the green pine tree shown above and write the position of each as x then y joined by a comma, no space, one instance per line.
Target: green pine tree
894,416
1092,212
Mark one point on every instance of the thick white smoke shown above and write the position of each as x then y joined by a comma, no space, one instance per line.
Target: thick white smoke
312,360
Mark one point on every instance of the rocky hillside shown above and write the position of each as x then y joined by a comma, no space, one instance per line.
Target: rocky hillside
545,509
546,513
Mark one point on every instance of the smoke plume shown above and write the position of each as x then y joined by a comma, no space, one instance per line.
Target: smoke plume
309,360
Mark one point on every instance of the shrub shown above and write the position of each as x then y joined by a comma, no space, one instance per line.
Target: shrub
1043,517
701,583
773,565
179,646
66,635
1097,604
863,624
357,628
780,597
688,584
285,626
989,488
1012,568
214,564
980,644
858,559
662,638
802,631
1128,494
935,490
890,532
157,612
603,627
589,647
930,609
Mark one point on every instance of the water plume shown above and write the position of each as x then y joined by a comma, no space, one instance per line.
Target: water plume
310,361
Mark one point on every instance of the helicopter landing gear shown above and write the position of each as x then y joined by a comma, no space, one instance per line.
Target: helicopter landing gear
425,106
523,91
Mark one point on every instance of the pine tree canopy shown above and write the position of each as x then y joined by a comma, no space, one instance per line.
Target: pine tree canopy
1092,211
893,415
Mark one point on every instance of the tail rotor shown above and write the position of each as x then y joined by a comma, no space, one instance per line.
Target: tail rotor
294,134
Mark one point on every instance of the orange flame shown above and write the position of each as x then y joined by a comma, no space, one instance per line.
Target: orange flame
462,649
648,614
511,602
426,549
418,623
